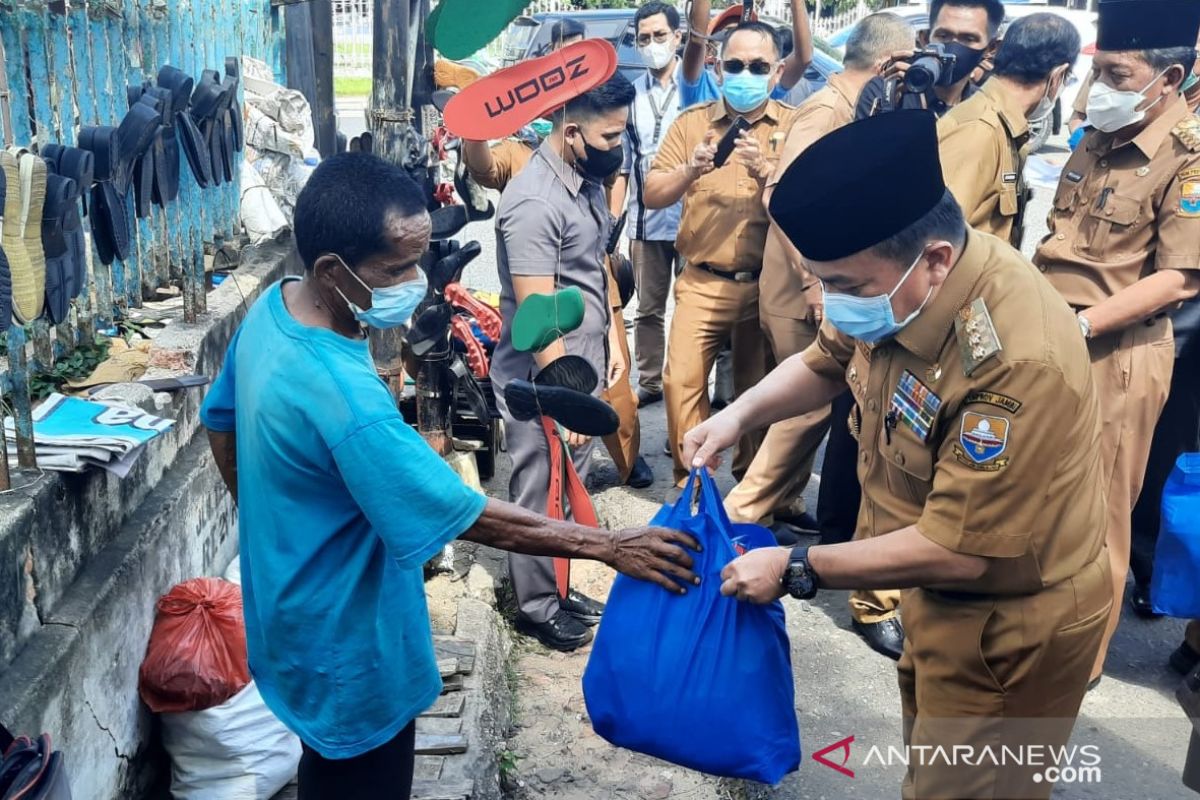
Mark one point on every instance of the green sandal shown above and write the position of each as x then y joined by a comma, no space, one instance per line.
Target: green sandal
461,28
546,318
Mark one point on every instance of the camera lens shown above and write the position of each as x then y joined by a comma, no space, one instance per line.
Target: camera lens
924,73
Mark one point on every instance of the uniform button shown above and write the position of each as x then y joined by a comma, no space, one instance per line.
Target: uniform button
1061,237
1103,163
1042,267
873,405
900,459
1108,211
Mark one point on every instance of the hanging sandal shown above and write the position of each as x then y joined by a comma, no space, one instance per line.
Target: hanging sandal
576,411
25,175
545,318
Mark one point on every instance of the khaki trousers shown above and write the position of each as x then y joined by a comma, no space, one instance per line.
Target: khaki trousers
624,444
710,310
654,264
997,672
784,463
1132,370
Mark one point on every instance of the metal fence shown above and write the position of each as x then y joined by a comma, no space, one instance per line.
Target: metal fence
67,65
822,24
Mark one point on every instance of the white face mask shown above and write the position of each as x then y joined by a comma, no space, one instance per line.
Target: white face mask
658,55
1110,110
1045,106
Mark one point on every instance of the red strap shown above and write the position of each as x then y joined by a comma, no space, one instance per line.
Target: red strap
476,355
489,319
581,504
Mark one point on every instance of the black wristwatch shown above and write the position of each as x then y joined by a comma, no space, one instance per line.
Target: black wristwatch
800,579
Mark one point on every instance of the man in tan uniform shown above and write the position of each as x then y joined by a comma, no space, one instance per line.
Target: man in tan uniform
1124,241
977,422
789,301
984,140
722,231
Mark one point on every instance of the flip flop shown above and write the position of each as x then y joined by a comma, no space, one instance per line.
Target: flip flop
728,18
569,372
460,28
447,269
576,411
27,259
430,329
502,103
5,270
546,318
448,221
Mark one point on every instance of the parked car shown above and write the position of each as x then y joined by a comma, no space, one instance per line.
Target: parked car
529,37
1084,22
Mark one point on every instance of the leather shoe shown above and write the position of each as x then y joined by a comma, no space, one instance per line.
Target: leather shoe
582,608
801,522
648,398
785,535
1184,659
885,637
641,476
562,632
1139,601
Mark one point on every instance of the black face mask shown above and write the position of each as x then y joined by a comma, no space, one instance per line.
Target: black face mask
966,60
600,164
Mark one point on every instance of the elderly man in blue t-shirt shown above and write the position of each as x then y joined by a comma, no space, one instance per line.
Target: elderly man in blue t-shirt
340,502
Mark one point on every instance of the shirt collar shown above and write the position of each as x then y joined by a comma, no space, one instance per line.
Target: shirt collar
565,172
839,83
925,335
720,111
1151,138
1010,114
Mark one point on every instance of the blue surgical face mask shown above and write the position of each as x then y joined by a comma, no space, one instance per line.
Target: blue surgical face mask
392,306
745,91
1190,82
870,319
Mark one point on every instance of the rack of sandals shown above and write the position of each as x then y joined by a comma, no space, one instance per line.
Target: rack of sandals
122,130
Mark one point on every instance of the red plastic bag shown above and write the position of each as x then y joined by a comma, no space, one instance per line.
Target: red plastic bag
196,658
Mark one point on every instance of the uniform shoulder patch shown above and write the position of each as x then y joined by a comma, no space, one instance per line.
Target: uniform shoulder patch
1189,198
982,441
977,337
996,399
1188,132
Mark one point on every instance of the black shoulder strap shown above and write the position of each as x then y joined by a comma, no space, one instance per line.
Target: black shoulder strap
6,739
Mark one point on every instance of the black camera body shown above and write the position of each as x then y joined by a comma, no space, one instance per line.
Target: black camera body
930,66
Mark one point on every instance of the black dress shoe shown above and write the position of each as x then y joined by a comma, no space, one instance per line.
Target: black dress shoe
1093,683
1139,601
582,608
1184,659
666,447
648,398
785,534
641,476
804,522
885,637
562,632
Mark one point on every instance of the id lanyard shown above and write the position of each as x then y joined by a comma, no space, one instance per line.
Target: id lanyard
655,109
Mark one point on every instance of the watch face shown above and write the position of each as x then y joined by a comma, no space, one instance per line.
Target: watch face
799,581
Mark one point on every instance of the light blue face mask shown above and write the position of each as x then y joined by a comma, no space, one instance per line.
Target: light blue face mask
745,91
1190,82
391,306
870,319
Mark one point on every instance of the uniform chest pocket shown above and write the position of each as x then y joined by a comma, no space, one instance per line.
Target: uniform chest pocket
909,464
1109,221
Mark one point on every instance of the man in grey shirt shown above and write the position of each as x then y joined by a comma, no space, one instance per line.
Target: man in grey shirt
551,232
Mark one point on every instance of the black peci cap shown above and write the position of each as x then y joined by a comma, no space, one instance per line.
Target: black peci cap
1147,24
860,185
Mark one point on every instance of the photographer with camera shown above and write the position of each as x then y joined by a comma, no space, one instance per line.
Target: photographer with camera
985,140
937,76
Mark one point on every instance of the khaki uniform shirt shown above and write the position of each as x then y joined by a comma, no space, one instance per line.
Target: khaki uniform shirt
781,287
509,157
984,142
724,224
1124,210
979,424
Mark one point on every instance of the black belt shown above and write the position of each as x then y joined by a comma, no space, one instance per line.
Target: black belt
744,276
960,597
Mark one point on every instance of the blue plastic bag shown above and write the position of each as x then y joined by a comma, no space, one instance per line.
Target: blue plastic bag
700,680
1175,587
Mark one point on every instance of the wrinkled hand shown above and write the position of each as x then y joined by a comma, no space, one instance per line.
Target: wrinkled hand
897,66
617,366
816,304
703,445
655,555
703,155
751,156
577,439
756,577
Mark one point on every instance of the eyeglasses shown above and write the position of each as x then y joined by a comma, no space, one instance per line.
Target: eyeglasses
734,66
644,39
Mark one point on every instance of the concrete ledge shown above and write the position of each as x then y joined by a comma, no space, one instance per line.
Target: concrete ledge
86,557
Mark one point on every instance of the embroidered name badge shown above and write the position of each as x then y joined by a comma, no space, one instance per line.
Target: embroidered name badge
982,440
1189,199
1074,177
914,406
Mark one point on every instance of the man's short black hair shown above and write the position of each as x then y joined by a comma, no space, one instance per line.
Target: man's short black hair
616,92
1034,46
647,10
994,8
344,207
566,28
761,28
1164,58
944,221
